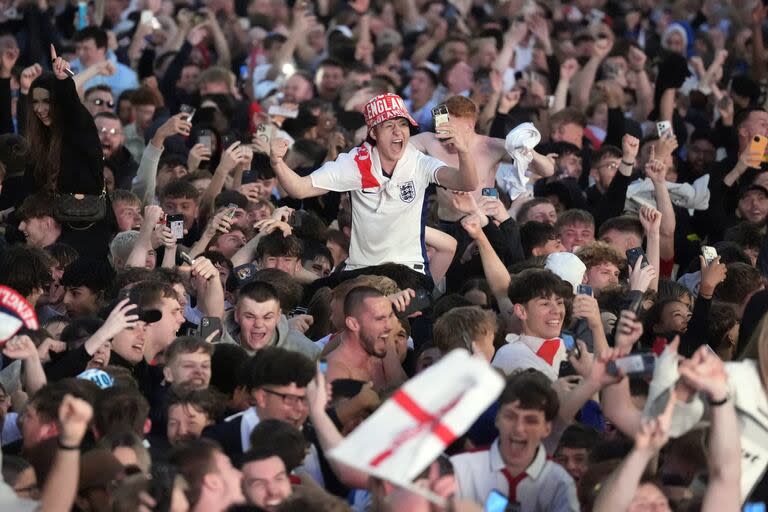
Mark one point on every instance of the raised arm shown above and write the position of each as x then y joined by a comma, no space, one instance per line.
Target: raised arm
23,349
582,84
568,70
465,177
298,187
656,170
445,247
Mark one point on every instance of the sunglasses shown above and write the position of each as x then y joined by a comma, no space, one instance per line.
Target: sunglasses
99,102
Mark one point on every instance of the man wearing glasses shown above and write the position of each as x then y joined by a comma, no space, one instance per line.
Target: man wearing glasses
99,98
113,145
276,382
612,171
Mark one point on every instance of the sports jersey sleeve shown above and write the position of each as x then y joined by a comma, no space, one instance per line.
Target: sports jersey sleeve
428,167
341,175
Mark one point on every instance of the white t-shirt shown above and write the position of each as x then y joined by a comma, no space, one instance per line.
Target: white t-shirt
544,486
522,352
388,214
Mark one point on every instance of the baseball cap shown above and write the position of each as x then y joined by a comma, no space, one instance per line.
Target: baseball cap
749,188
15,313
385,107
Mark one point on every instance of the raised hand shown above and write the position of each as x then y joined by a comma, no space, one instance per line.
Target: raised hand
177,124
654,432
232,156
198,154
464,201
473,225
640,277
267,226
60,66
629,147
636,59
28,76
74,416
152,214
20,347
509,100
119,319
203,269
568,69
219,223
656,170
401,299
277,150
301,323
705,372
711,276
628,330
650,218
8,60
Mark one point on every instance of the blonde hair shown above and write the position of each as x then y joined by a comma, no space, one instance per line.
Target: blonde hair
383,284
459,327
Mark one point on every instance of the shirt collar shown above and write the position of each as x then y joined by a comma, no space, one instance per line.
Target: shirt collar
531,342
248,423
534,470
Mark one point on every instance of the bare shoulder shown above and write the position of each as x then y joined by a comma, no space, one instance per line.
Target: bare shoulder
421,141
494,144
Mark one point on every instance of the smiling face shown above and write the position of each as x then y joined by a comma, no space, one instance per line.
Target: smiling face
266,483
577,234
520,433
753,207
284,403
129,343
41,105
161,333
391,139
110,135
100,359
257,321
185,422
542,317
189,370
36,230
674,318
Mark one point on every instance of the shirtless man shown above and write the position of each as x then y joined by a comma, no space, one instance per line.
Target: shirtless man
365,351
486,154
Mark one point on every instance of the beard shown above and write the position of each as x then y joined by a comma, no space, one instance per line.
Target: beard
369,345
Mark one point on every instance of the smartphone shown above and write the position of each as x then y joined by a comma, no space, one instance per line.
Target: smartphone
490,192
758,145
296,218
264,132
205,137
232,207
323,365
495,502
208,326
636,306
227,140
632,256
440,116
186,258
754,507
281,111
709,253
637,365
584,289
642,202
176,223
662,127
82,15
421,301
188,110
147,18
485,85
570,344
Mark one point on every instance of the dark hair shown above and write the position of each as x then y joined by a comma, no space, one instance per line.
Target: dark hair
129,276
186,345
107,115
78,330
34,207
179,189
741,281
289,291
227,363
206,401
578,435
722,318
573,216
480,284
98,35
12,468
319,308
448,302
227,197
98,88
669,289
275,244
218,259
62,253
96,275
275,437
537,283
533,390
354,299
730,252
624,223
194,459
120,408
314,249
742,115
606,150
523,212
25,269
563,148
46,400
258,291
46,140
151,293
745,234
277,367
535,234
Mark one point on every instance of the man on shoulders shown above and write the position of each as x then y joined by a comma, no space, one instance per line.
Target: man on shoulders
486,153
388,180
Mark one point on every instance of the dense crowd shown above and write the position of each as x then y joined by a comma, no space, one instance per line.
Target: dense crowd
369,255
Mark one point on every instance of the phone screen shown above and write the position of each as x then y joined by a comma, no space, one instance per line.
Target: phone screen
496,502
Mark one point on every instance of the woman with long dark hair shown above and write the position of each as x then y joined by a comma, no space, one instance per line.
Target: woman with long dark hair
66,153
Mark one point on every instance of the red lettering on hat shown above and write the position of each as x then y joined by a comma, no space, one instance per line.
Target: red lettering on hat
13,301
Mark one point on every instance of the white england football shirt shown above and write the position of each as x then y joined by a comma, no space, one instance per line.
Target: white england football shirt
388,213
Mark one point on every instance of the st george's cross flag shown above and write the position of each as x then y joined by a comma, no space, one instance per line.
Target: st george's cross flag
411,429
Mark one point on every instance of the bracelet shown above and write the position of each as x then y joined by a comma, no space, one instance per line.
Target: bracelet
63,446
628,164
718,403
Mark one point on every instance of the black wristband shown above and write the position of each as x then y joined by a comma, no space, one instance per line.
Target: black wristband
63,446
628,164
712,403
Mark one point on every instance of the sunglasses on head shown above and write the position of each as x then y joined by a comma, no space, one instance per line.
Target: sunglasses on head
99,102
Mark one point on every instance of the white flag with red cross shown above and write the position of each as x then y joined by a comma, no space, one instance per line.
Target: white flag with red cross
411,429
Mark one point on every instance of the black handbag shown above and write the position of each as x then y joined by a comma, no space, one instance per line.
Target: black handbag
80,208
